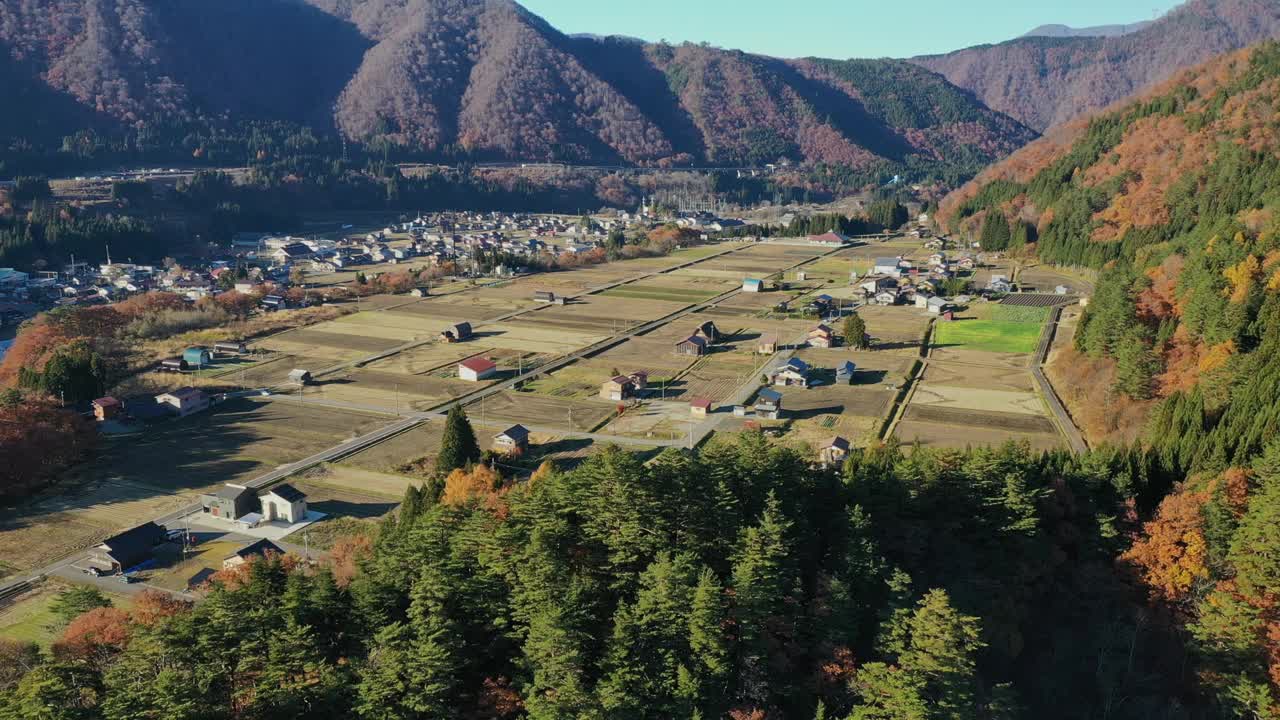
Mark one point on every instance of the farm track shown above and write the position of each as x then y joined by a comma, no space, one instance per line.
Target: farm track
1060,414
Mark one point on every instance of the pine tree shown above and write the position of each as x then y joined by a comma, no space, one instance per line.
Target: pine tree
995,232
458,447
1136,365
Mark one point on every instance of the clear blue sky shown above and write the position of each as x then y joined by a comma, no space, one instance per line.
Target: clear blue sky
836,28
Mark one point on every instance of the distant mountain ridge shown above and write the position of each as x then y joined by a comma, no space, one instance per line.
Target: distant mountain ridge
475,79
1044,81
1057,30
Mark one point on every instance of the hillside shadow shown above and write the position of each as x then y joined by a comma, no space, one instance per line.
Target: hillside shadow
263,59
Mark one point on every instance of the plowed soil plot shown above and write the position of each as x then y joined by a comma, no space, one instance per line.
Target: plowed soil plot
979,377
955,436
1010,422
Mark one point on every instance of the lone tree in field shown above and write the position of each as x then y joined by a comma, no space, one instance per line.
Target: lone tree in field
855,332
459,446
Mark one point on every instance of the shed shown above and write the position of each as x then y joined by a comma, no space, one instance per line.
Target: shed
259,549
709,331
420,292
230,347
476,369
513,439
767,345
617,389
284,503
456,333
692,345
106,408
174,365
544,296
298,376
821,337
752,285
699,407
130,548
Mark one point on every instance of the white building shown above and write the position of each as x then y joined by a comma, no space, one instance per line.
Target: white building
284,503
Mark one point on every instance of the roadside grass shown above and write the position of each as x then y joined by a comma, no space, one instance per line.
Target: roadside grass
208,556
320,536
31,619
988,335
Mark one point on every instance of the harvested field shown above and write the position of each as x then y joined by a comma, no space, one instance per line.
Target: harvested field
642,291
388,455
868,401
952,436
969,356
963,398
530,338
979,377
343,341
1010,422
540,410
235,441
895,326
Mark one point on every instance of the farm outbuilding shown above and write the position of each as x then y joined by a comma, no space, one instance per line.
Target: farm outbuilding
692,345
476,369
298,376
699,407
617,389
230,347
769,404
752,285
456,333
833,452
513,439
197,357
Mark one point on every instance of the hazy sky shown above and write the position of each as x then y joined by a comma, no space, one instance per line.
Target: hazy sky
836,28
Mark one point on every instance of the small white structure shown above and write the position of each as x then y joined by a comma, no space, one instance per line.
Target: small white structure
887,266
284,503
752,285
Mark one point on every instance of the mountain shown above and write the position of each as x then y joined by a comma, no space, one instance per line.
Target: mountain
1043,81
1061,31
471,79
1174,198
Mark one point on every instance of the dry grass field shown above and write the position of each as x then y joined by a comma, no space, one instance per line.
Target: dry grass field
950,397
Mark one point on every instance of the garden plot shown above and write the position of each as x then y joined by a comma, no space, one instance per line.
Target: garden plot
653,420
654,291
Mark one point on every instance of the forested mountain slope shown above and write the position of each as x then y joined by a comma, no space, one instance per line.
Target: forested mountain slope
1175,197
466,79
1044,81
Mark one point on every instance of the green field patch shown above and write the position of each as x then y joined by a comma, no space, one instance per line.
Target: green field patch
988,335
652,292
1019,314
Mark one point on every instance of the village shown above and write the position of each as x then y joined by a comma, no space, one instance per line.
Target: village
269,441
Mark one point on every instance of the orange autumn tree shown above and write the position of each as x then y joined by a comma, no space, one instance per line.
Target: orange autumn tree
95,637
480,483
1170,556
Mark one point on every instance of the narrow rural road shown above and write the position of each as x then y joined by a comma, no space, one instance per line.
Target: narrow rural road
1060,414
